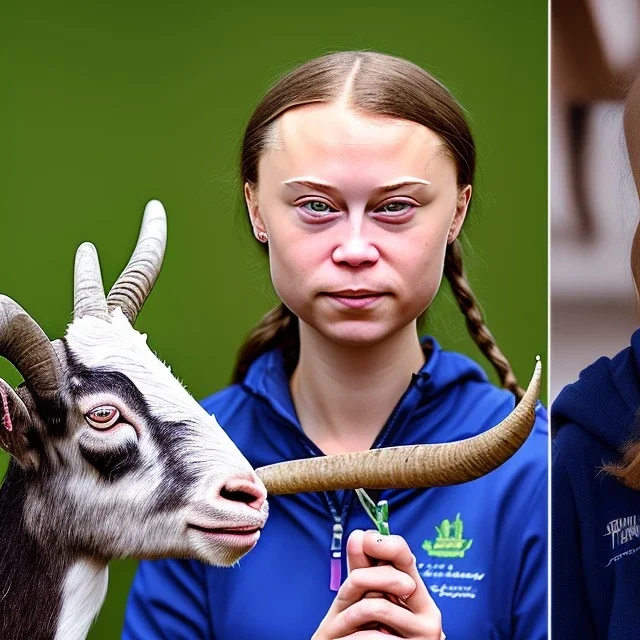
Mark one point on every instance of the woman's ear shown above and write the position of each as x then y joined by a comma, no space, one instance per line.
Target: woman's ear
251,198
462,204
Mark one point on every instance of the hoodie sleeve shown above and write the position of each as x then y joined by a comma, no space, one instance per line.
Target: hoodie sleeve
530,599
570,615
168,599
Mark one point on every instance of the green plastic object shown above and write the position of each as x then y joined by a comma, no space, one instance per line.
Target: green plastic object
379,513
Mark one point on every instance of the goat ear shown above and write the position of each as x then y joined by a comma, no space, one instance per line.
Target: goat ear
15,422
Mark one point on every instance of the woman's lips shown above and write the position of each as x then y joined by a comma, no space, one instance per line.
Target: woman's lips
355,300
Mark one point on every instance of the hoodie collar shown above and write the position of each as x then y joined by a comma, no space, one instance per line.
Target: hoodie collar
267,379
605,399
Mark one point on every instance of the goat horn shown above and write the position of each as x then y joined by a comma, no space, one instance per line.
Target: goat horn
27,347
413,466
136,281
88,290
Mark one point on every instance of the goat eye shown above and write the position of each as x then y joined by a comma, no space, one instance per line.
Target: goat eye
102,417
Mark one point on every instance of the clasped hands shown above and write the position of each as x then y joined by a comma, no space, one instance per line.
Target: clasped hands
383,595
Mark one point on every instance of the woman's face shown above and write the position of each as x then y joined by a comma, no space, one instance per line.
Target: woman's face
358,210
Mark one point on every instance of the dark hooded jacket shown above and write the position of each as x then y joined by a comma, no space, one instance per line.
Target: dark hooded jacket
596,519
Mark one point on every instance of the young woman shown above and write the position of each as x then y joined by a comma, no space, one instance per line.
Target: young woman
357,170
596,478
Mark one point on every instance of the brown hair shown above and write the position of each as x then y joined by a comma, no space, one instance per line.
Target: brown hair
377,84
632,137
628,469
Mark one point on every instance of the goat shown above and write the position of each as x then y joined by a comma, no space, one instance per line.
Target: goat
111,456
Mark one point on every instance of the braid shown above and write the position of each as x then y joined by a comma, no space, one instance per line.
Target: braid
277,328
481,335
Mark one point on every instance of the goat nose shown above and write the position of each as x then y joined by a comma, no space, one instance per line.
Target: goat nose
245,487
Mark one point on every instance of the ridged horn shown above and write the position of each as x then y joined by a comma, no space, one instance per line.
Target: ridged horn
136,281
27,347
88,289
413,466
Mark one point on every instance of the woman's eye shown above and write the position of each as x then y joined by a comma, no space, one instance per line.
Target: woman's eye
317,206
102,417
395,207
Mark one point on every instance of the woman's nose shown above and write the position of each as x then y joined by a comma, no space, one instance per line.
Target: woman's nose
356,250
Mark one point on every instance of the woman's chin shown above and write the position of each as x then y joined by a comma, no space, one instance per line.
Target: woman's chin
356,334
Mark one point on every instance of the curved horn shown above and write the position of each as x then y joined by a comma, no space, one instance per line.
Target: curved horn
136,281
27,347
427,465
88,290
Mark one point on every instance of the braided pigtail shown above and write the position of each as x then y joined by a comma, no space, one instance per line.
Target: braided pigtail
277,328
454,271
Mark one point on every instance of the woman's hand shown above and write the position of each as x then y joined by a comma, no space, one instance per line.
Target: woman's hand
363,598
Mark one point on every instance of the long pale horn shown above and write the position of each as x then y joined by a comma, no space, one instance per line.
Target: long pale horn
136,281
88,290
427,465
27,347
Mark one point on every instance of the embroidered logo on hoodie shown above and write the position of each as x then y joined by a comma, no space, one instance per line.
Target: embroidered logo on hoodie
620,532
449,542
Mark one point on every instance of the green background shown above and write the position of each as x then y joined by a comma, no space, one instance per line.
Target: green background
105,106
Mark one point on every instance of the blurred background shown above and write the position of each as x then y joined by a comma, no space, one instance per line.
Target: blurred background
107,105
594,204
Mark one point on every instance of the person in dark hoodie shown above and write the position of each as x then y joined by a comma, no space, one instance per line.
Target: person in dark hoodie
360,203
596,479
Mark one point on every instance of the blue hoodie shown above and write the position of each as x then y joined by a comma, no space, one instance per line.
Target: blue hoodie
596,519
480,547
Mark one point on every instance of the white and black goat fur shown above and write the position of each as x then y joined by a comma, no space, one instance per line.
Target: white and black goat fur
111,456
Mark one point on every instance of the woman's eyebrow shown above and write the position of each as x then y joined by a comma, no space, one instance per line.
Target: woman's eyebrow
315,183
